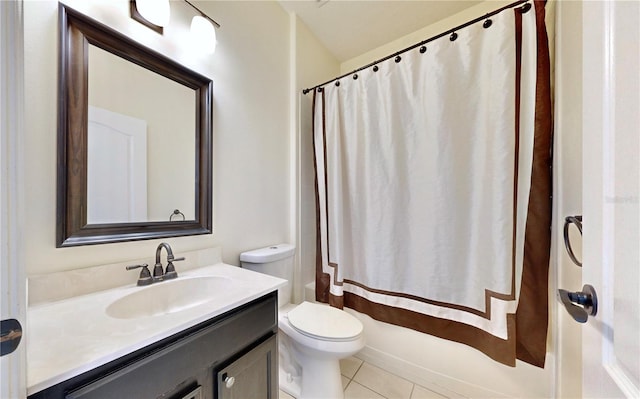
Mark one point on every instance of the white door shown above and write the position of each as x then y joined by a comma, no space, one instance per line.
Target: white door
116,168
611,196
12,272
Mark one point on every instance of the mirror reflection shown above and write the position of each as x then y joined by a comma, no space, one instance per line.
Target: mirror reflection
141,162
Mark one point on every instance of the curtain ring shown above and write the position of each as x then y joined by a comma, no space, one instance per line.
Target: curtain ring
176,212
525,8
375,68
453,36
577,220
355,76
487,23
423,49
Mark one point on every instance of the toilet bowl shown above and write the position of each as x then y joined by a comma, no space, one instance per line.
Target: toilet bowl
319,337
313,337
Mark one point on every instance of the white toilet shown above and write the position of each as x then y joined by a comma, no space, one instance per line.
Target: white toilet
313,337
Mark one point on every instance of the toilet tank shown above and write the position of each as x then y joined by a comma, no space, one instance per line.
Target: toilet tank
274,260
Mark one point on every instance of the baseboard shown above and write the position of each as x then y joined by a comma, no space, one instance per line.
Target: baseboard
442,384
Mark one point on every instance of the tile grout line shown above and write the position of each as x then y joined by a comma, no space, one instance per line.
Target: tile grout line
350,380
413,385
348,383
354,375
358,369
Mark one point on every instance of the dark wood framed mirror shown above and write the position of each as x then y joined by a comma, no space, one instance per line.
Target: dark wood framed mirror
182,172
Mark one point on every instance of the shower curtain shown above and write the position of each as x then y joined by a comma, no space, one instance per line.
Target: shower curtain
433,188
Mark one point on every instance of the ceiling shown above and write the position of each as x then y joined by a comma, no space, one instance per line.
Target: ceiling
349,28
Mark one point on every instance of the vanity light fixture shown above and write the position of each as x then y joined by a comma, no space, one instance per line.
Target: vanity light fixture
203,32
154,14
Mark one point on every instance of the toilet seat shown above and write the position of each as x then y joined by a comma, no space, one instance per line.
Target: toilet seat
324,322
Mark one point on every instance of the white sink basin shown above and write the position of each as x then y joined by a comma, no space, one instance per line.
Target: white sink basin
168,297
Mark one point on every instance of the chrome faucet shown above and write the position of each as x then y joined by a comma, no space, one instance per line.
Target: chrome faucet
170,271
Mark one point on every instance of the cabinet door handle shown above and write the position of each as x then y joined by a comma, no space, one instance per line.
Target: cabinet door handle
228,381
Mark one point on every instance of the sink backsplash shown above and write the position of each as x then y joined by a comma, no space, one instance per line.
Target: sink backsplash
57,286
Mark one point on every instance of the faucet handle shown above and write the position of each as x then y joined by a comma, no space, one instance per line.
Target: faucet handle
145,274
170,271
158,274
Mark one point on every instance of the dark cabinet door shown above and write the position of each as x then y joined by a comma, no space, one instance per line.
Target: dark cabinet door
253,376
197,393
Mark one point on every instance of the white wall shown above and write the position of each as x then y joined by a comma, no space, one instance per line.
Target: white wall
421,34
314,64
420,357
250,72
568,188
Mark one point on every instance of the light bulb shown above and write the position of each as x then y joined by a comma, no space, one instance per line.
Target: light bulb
155,11
203,34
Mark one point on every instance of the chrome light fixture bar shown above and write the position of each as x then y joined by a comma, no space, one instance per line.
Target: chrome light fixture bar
154,14
202,14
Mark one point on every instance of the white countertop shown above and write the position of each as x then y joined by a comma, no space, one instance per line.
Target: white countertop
69,337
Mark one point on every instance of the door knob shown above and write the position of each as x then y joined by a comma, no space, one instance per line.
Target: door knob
10,336
580,305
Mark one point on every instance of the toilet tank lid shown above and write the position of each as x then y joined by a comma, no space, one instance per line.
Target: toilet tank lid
268,254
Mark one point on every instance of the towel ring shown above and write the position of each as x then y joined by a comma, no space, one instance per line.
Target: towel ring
577,220
176,212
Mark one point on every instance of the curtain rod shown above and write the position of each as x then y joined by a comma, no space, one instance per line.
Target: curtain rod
454,35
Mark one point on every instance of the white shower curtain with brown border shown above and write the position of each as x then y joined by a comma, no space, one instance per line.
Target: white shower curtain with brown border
433,188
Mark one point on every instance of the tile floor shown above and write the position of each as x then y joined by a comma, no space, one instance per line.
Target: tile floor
361,380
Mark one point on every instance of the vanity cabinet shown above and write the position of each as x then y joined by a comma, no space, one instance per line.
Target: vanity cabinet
233,355
254,375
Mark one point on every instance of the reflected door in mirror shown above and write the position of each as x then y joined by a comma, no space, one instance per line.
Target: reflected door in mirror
168,110
116,168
